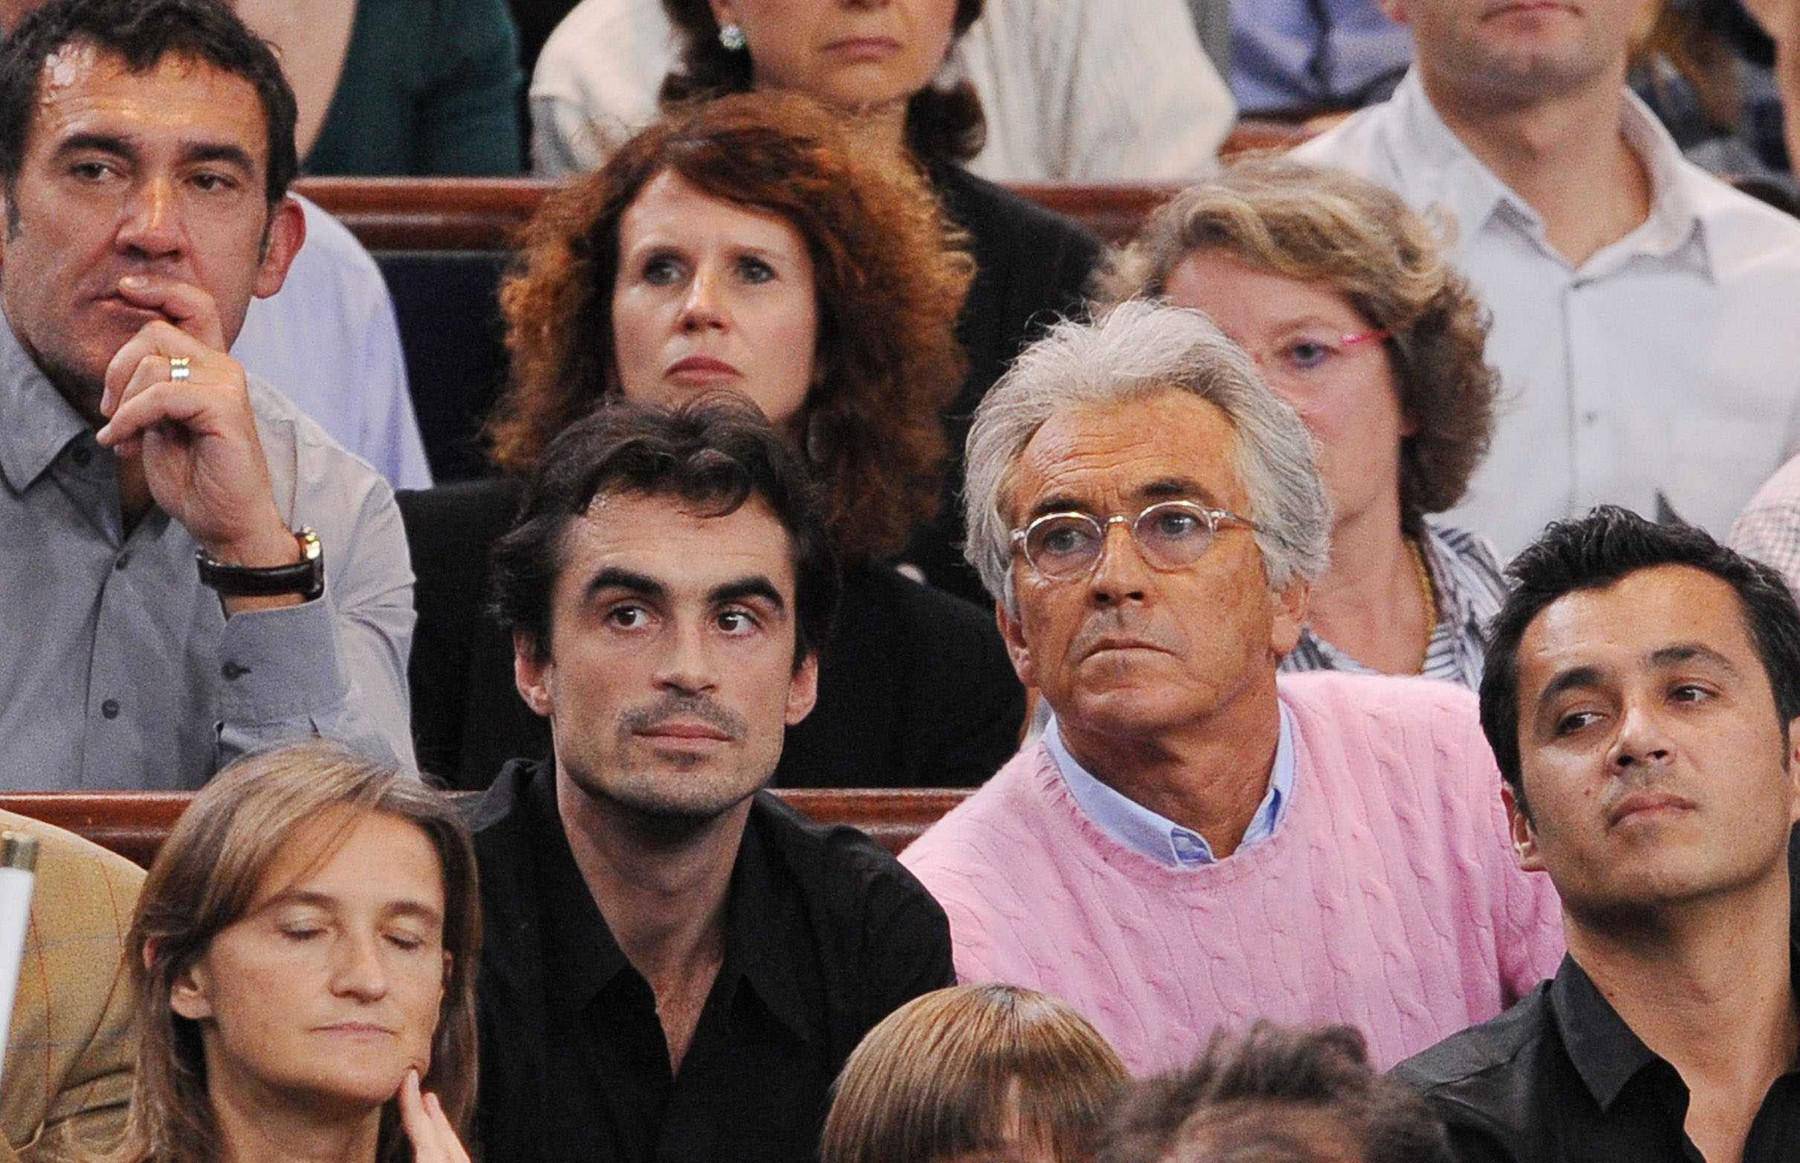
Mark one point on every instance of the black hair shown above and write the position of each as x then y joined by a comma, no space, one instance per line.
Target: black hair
712,454
1275,1093
143,32
1594,552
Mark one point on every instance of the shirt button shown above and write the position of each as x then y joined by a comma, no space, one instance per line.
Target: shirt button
110,708
232,671
1590,417
123,560
81,455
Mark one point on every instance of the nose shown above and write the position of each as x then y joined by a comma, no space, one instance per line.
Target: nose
357,970
1120,574
687,667
704,305
1640,742
152,223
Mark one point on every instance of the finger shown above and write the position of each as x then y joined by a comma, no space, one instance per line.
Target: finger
415,1120
155,341
448,1143
187,405
189,307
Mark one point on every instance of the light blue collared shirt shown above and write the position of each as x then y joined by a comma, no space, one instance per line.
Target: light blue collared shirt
1159,838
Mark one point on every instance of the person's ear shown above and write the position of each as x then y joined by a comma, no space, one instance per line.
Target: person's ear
1521,831
191,993
1288,616
1791,771
803,689
1396,11
1016,646
534,674
724,12
286,235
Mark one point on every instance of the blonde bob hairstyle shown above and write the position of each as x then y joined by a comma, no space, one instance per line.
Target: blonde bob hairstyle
971,1070
204,879
1362,241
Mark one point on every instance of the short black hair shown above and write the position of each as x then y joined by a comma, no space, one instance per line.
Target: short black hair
711,454
1297,1095
1594,552
143,32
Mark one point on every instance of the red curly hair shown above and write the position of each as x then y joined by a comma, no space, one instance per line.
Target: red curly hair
890,276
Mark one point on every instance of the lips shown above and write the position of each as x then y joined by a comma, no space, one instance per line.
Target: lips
1121,644
701,369
682,730
357,1030
1647,803
864,47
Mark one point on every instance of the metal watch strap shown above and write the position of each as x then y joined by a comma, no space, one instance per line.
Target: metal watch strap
305,577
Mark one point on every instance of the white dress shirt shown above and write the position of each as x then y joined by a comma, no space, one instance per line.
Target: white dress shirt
1073,90
1662,374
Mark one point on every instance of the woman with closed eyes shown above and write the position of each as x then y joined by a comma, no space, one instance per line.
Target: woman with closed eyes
304,964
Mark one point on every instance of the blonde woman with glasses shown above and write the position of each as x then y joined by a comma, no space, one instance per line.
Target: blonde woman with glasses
1344,299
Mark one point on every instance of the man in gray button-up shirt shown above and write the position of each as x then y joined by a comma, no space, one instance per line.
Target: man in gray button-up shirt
145,148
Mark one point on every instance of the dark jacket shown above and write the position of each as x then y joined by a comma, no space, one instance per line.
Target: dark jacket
915,687
1032,266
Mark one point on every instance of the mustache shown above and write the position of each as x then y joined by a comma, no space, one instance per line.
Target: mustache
1113,624
690,707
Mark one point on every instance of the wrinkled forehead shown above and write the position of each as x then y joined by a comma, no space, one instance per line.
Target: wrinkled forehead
87,88
1117,455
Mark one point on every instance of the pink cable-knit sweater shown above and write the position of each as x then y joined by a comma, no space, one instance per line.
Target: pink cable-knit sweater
1387,899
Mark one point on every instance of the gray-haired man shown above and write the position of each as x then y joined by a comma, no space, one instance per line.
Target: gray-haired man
1193,843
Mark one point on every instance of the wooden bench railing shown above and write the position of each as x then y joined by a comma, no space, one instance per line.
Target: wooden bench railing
134,824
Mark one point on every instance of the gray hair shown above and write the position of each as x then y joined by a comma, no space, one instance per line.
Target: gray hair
1138,349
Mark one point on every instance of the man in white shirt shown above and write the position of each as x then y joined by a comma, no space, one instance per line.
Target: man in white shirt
1643,310
1073,90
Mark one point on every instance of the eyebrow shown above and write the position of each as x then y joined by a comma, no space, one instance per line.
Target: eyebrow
404,907
196,151
615,578
749,586
735,590
1160,489
1580,677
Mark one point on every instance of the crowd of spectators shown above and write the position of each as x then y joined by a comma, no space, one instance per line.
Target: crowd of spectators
1388,785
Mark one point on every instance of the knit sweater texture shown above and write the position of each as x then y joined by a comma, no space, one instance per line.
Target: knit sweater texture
1388,898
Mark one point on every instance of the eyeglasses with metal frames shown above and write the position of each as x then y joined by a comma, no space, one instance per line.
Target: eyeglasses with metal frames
1169,534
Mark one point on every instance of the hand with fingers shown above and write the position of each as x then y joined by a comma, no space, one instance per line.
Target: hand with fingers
177,402
422,1117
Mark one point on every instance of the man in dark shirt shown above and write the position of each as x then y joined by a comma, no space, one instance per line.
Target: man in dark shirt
1640,695
676,964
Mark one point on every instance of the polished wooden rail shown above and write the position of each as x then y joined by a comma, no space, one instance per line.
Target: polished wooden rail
134,824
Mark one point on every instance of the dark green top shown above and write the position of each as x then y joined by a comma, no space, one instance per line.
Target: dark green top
428,87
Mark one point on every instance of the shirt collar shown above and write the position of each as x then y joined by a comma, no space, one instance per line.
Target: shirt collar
581,955
763,929
1605,1051
585,958
1474,194
1155,835
36,423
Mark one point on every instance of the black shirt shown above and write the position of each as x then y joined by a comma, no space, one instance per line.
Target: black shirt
825,934
1560,1076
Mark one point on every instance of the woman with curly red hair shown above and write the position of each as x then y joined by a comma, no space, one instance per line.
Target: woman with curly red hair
745,244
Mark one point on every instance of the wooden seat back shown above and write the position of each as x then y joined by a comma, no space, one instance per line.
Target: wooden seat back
135,824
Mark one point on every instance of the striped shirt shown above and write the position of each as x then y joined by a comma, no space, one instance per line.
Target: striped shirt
1469,586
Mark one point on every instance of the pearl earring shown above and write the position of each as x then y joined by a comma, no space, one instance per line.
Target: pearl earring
732,37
